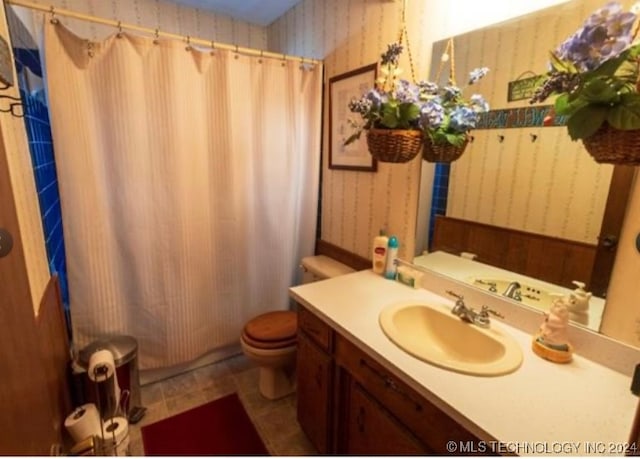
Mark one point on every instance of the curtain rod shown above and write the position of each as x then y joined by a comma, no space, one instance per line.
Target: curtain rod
157,32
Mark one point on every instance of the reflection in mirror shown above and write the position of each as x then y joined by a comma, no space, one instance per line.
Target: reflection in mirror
536,208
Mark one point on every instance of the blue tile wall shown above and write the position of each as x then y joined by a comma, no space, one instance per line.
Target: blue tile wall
36,119
439,196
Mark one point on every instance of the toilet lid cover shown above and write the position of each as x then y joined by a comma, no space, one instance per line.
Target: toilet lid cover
273,326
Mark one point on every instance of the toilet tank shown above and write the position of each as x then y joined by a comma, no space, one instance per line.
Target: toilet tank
320,267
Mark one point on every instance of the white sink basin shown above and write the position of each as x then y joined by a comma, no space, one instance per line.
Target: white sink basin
434,335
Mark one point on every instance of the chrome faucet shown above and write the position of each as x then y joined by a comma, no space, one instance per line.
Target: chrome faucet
513,291
467,314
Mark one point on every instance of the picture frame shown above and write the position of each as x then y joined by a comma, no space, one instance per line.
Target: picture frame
343,88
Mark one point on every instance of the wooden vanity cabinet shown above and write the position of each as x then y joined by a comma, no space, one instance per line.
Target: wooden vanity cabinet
314,369
367,428
348,403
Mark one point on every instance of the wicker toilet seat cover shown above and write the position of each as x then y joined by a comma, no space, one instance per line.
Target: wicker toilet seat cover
272,329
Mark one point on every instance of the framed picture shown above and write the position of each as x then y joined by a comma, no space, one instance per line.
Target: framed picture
343,88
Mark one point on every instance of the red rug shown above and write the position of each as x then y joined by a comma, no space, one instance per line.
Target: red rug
221,427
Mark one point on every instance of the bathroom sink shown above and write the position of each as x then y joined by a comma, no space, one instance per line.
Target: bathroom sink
528,294
434,335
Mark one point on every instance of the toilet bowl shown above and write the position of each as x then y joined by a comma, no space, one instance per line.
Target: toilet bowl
269,340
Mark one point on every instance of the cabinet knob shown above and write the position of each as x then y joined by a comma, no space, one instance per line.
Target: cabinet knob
360,419
6,242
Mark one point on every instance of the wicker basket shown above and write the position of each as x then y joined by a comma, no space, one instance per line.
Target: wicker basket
614,146
442,153
394,145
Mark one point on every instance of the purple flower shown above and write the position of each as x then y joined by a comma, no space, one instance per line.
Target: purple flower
478,103
391,55
604,35
451,93
428,87
406,91
376,97
361,105
432,114
463,118
477,73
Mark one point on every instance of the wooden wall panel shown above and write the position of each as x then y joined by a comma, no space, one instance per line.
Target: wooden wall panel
35,394
554,260
54,349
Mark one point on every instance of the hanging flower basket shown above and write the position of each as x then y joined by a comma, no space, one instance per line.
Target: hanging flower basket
614,146
442,153
394,145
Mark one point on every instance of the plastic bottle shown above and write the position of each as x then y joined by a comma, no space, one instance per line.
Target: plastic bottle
392,254
379,255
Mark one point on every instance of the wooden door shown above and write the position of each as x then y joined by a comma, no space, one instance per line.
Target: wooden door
33,392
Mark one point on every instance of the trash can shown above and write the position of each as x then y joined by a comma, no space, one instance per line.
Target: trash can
125,357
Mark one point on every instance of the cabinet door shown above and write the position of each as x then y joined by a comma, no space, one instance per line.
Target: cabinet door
314,370
371,430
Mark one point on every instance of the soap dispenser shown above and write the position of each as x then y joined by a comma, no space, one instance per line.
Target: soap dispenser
579,298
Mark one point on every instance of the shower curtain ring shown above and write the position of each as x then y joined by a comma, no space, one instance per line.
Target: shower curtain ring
119,34
302,63
188,47
261,56
53,19
236,55
213,48
156,37
284,60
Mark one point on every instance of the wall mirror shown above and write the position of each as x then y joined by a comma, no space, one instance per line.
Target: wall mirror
522,177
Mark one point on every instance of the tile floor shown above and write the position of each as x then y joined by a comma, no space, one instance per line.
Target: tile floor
275,420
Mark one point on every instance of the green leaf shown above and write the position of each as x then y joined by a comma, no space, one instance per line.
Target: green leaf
407,113
562,66
562,105
352,138
626,115
599,91
565,105
455,139
586,121
390,115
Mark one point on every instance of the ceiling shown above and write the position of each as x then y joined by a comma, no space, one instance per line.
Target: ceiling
260,12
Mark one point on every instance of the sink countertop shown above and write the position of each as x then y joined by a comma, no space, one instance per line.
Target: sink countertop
551,404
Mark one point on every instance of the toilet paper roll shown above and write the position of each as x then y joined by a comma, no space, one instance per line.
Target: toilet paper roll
83,422
468,255
115,435
101,365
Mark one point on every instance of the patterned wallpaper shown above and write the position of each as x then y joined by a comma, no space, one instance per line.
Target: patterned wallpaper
349,34
165,16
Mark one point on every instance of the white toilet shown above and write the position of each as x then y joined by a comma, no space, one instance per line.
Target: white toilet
269,339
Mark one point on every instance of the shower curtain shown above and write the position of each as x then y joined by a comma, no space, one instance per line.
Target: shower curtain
189,187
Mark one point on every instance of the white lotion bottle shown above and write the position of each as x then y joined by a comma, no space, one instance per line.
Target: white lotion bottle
379,254
392,254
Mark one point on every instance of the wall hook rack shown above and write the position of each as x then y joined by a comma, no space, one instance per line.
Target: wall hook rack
15,106
534,137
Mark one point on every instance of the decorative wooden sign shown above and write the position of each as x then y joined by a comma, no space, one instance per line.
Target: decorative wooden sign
520,117
523,88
